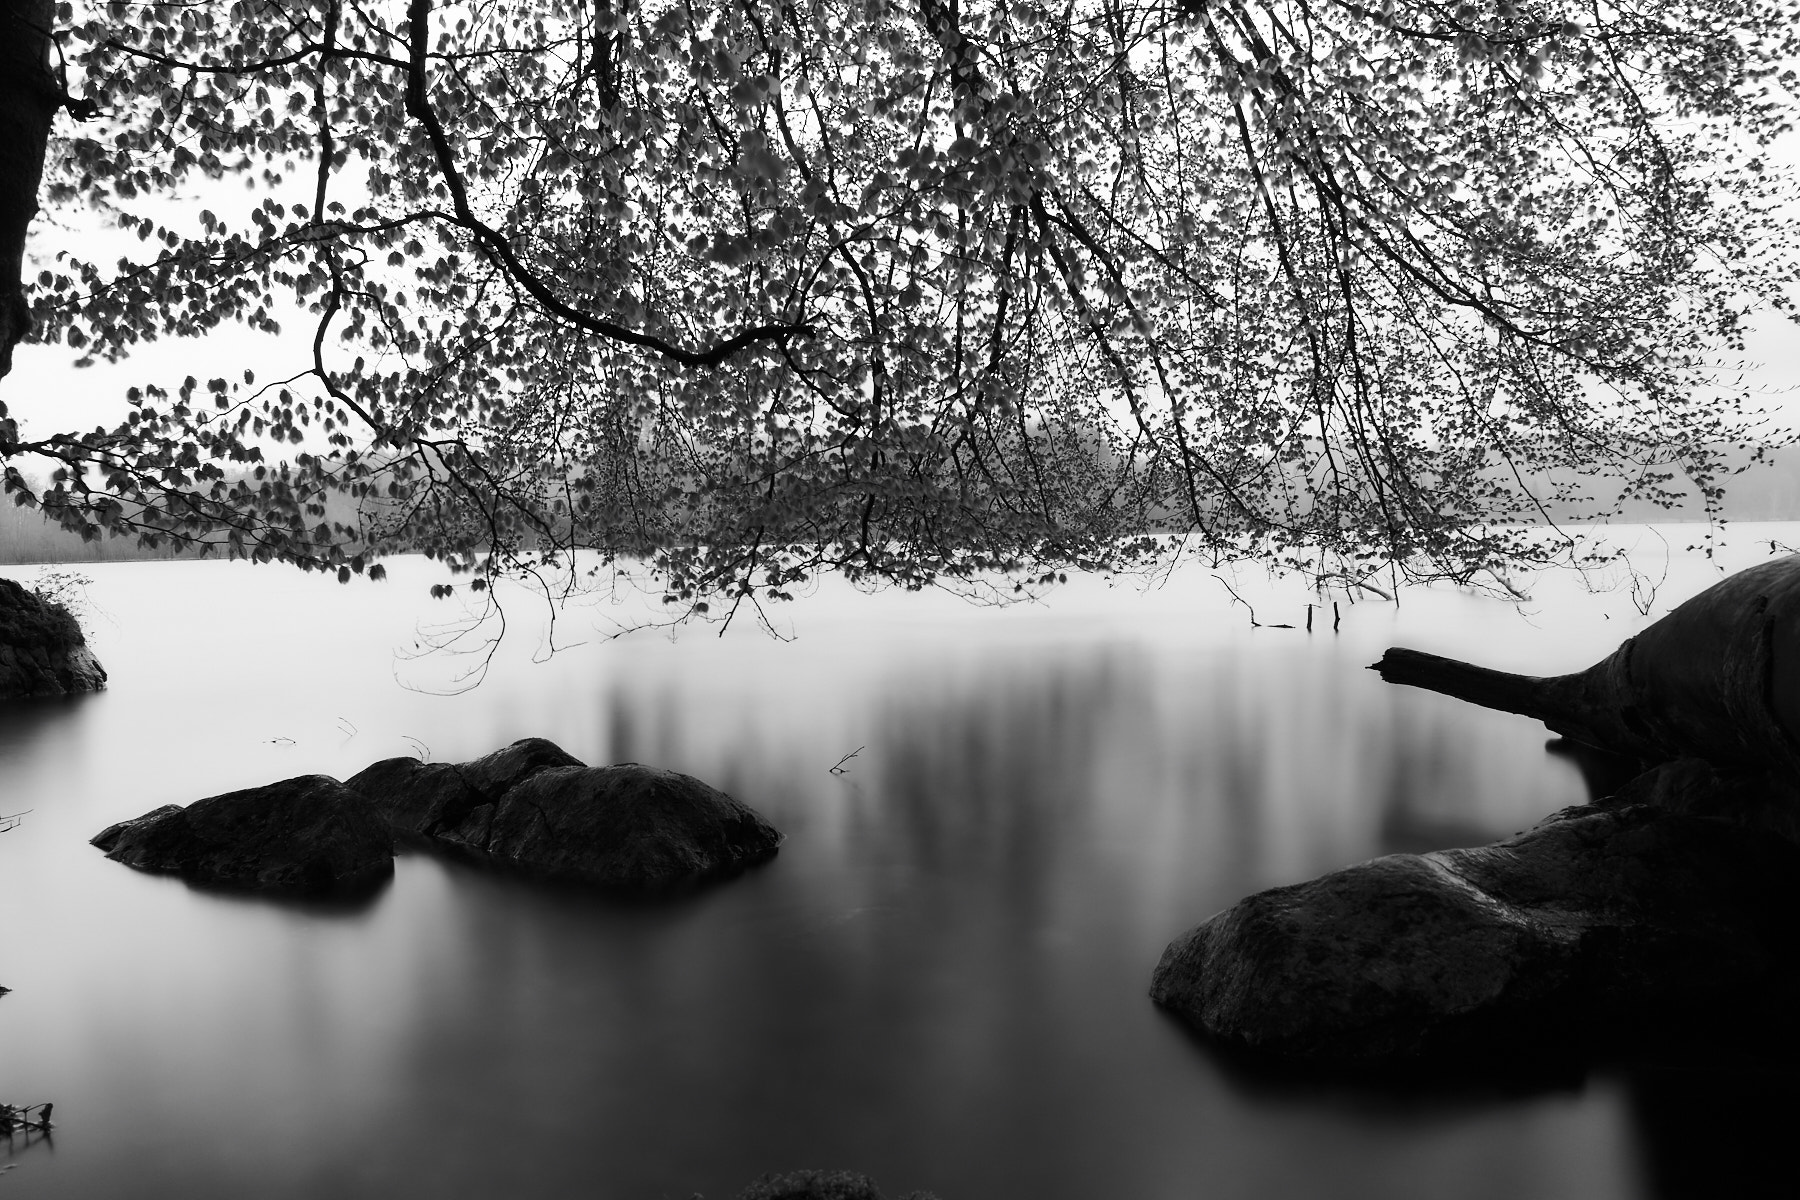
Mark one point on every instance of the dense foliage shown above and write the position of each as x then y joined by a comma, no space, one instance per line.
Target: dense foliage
912,290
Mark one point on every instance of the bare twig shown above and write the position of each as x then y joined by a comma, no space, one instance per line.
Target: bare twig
1254,623
838,767
15,1117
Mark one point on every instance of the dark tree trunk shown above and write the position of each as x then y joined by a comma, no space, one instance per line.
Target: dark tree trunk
29,98
1717,679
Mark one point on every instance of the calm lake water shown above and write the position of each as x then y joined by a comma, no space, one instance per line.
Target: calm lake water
939,981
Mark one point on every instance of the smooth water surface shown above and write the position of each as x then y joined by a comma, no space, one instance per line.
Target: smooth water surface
940,980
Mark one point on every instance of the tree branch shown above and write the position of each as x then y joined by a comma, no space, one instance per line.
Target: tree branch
500,252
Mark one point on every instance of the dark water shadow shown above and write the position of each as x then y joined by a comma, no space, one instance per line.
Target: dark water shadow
1468,1081
1716,1133
471,868
1602,772
1405,830
354,899
24,719
25,708
12,1145
351,899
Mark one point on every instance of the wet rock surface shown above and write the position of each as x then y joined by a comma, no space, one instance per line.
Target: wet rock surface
426,799
1617,931
305,836
534,809
42,649
529,807
819,1185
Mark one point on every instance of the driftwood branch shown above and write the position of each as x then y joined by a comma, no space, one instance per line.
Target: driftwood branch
1502,690
1717,679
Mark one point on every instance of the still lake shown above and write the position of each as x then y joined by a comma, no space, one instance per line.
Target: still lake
939,981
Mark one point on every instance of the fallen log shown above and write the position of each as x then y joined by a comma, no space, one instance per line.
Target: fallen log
1717,679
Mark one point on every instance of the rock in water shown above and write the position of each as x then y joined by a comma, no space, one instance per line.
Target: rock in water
819,1185
306,835
1619,929
1717,679
626,826
534,808
425,799
42,650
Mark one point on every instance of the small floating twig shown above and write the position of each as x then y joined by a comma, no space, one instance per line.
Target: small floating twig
838,767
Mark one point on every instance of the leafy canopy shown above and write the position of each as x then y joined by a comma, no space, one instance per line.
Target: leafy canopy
915,290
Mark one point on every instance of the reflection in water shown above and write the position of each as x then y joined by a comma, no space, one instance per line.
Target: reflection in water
1602,772
1705,1134
940,980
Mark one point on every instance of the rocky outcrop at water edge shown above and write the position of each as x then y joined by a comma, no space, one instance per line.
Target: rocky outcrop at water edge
42,649
1624,930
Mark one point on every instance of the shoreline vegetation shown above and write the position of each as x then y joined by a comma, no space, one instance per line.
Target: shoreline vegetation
1768,490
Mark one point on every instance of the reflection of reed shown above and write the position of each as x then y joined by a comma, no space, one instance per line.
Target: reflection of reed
995,777
18,1133
1199,775
1233,772
1426,780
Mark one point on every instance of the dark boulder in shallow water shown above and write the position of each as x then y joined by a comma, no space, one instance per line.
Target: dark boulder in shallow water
819,1185
426,799
1625,931
42,650
306,835
533,808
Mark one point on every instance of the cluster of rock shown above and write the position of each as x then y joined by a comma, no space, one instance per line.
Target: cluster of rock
1663,920
42,650
530,807
534,807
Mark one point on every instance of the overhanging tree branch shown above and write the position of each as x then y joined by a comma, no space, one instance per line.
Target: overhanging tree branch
499,250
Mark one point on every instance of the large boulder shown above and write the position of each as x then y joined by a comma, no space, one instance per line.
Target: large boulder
306,835
1617,931
421,799
42,650
535,809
